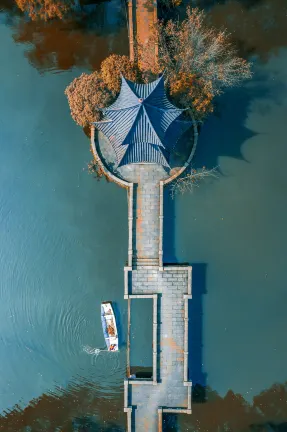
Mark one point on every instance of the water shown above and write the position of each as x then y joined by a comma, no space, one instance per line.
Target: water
62,250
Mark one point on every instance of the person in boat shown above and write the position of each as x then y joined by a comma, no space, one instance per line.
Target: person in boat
111,330
112,347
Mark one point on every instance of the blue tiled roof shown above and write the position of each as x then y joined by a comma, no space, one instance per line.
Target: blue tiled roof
142,125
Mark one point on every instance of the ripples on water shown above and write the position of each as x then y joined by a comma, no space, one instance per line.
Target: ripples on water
106,362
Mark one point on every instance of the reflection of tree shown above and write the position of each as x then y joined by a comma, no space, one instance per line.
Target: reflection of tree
277,410
234,414
259,27
61,45
78,408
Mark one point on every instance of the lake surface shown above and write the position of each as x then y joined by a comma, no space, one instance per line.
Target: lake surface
64,235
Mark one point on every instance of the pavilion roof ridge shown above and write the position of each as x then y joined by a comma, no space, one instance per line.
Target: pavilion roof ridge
142,124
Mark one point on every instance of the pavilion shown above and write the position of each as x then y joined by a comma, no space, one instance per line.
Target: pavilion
142,125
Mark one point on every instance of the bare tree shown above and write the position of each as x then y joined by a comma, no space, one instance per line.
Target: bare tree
192,180
199,62
95,169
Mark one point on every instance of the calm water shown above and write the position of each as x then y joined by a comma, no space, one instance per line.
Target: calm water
59,236
63,250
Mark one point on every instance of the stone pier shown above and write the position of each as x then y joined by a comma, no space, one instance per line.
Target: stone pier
169,390
133,148
170,287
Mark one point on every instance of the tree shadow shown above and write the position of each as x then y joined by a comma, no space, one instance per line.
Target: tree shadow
225,132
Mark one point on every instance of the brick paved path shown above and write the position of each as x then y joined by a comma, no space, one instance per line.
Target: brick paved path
142,15
145,12
146,210
170,288
170,391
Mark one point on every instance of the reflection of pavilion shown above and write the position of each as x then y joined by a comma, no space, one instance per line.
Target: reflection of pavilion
142,128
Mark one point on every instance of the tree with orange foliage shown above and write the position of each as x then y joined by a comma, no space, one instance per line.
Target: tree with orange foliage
86,95
90,92
116,65
46,9
199,62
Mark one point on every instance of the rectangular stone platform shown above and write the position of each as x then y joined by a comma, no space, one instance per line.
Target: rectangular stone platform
169,389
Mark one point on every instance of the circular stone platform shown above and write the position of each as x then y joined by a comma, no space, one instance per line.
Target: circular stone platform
137,173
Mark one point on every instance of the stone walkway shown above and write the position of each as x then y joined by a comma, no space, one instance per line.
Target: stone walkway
171,390
146,178
142,15
170,288
145,18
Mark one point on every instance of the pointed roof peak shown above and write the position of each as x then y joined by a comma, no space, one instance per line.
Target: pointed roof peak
138,122
143,91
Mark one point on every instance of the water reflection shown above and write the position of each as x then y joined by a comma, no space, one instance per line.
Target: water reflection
237,250
237,224
84,407
257,26
57,45
233,413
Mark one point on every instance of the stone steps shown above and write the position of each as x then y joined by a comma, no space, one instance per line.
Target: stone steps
137,261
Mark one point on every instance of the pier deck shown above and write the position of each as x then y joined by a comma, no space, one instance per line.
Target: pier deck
142,15
169,389
170,288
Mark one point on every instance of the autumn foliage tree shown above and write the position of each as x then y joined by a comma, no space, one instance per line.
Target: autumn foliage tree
90,92
199,62
86,95
46,9
116,65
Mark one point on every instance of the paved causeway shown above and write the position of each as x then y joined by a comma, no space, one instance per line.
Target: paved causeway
168,390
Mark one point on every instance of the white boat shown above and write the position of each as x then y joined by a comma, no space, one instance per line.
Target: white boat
109,326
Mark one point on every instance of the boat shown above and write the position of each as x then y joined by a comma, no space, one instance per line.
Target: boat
109,326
